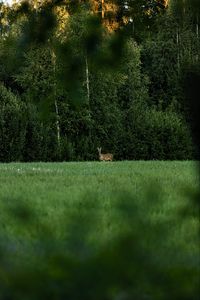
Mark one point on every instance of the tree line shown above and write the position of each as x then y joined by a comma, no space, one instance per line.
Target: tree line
72,80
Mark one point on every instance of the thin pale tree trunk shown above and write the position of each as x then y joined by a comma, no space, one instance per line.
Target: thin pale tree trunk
178,48
102,9
57,122
55,100
87,79
88,92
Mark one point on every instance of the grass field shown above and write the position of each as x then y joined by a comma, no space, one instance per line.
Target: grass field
82,207
55,191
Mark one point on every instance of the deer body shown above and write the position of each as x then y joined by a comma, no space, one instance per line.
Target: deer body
105,157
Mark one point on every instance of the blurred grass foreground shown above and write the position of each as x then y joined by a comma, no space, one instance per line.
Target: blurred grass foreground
90,230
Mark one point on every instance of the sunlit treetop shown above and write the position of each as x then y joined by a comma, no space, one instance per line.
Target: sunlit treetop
117,13
113,13
107,11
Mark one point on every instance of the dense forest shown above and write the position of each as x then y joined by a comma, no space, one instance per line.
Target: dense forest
77,75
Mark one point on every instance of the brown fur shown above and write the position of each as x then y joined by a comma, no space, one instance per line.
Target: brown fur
105,157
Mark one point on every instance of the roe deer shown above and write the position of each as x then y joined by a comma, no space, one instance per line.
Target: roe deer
105,157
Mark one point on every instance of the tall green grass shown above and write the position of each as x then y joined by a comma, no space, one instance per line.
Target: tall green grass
144,210
54,191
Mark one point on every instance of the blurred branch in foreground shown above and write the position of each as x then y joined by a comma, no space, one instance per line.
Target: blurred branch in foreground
140,262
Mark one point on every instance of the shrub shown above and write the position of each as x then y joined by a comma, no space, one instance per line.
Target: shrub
12,129
153,134
168,137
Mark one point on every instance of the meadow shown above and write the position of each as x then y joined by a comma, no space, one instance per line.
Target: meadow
55,191
83,207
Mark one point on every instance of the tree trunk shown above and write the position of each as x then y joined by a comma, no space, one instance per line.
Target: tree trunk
57,122
178,48
55,100
87,79
102,9
88,94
